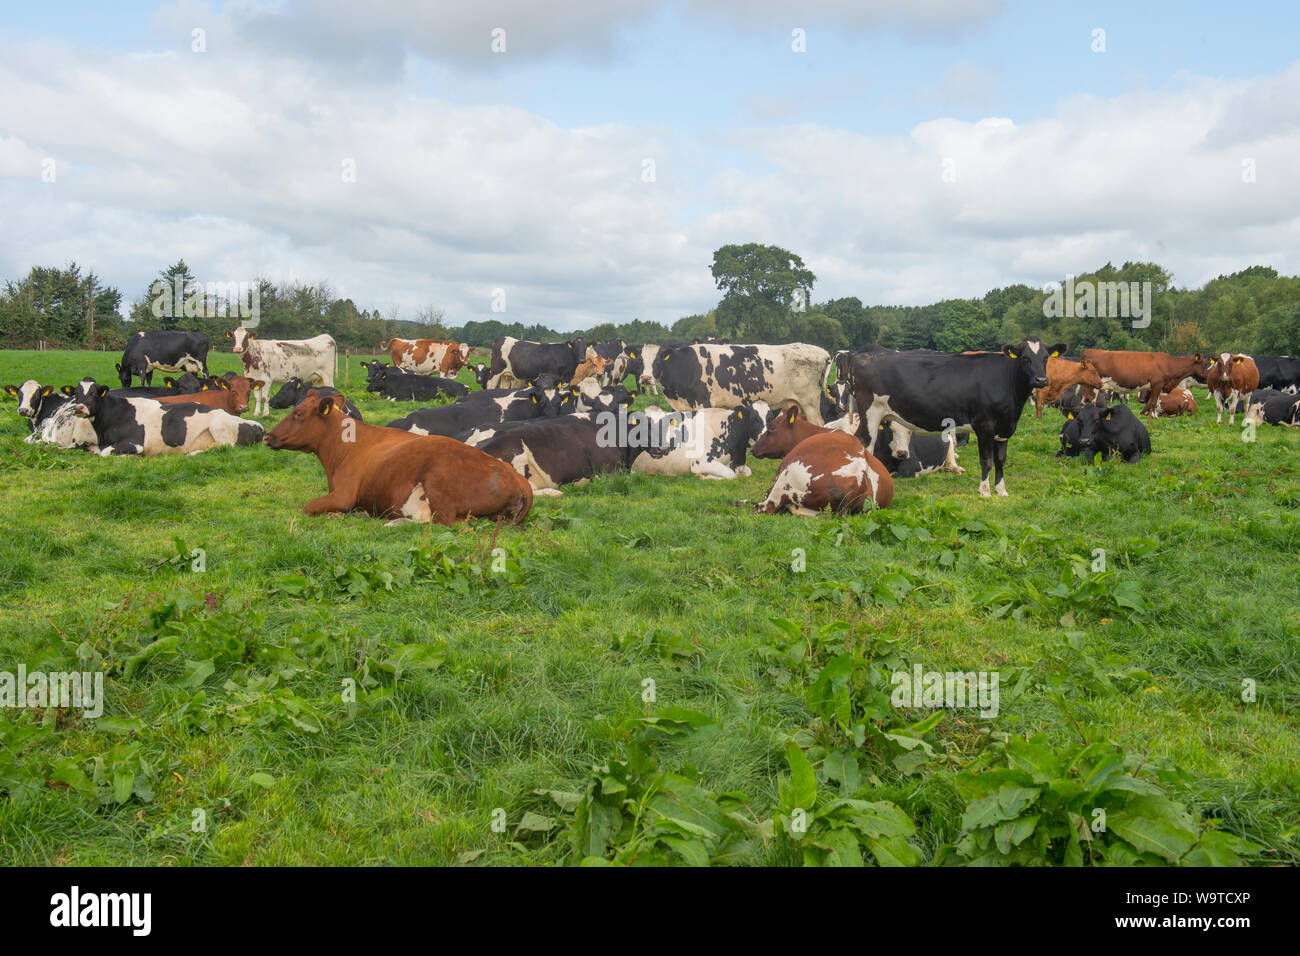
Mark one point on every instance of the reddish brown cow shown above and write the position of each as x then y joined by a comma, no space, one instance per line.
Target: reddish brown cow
1230,377
590,368
1131,371
429,356
232,398
1061,374
823,468
391,473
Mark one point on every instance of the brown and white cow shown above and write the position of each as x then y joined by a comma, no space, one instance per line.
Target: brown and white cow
1131,371
232,397
831,470
593,367
270,361
1061,374
1231,377
394,474
1177,401
429,356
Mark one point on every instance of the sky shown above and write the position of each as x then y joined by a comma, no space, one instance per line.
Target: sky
585,169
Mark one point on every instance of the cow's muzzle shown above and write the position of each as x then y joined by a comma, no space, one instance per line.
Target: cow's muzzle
1040,382
272,441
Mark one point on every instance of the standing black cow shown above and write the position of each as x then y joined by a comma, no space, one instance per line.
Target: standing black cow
159,349
524,361
935,393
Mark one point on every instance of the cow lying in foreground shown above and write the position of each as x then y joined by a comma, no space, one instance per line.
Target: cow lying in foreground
393,474
821,469
942,394
143,426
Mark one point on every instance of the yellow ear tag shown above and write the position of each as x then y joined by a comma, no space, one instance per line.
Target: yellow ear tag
1013,354
1070,415
740,414
47,389
1054,354
534,399
792,418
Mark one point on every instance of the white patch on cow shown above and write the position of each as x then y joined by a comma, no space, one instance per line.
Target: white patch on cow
984,489
791,486
27,393
415,508
855,467
526,464
1035,347
1001,488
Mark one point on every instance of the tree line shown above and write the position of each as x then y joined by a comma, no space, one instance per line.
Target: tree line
766,298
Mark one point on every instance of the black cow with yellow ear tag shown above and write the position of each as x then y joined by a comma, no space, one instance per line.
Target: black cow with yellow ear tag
1078,431
1120,435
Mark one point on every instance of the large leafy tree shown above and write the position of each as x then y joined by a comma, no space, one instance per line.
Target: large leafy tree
760,286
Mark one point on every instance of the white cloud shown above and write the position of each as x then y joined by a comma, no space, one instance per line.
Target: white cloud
235,163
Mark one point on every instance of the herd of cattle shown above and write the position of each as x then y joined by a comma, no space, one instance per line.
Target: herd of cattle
547,415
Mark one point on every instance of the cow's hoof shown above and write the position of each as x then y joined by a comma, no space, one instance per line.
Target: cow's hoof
743,471
984,491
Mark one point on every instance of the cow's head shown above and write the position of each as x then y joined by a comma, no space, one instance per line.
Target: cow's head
240,339
1088,374
1089,417
779,435
123,375
27,393
288,394
88,398
481,375
1031,357
242,389
308,426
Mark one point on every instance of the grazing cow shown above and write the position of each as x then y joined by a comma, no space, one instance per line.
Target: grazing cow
1131,371
1274,407
710,443
1277,371
727,376
1229,377
640,365
428,356
936,393
1063,373
590,368
165,350
278,361
399,386
524,361
392,474
143,426
233,399
295,390
486,408
829,470
1119,434
550,452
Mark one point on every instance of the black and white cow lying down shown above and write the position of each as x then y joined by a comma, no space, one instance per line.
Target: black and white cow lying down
490,407
292,393
399,385
141,426
49,416
932,392
709,443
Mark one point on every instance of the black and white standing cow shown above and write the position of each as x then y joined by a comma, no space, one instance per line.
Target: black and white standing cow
294,392
165,350
727,376
935,393
524,361
273,361
141,426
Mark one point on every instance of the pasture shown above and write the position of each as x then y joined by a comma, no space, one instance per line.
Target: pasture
652,673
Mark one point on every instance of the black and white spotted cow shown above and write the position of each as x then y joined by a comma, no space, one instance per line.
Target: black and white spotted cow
934,393
926,454
525,361
32,397
550,452
1273,407
708,442
271,361
490,407
835,400
293,392
727,376
142,426
165,350
640,365
398,385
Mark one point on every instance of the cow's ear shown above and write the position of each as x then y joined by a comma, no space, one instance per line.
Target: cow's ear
794,413
740,413
103,391
1198,357
49,388
11,389
1011,351
324,408
534,397
631,355
66,390
229,335
222,383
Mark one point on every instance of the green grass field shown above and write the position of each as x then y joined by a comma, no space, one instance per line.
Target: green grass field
331,691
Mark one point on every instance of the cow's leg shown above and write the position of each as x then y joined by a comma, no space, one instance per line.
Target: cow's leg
1218,401
325,504
1000,463
712,469
1038,403
986,462
950,459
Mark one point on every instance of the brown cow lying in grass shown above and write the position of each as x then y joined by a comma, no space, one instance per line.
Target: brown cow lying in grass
391,473
232,397
1178,401
821,469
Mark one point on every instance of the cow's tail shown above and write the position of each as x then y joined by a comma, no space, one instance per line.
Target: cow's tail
518,510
